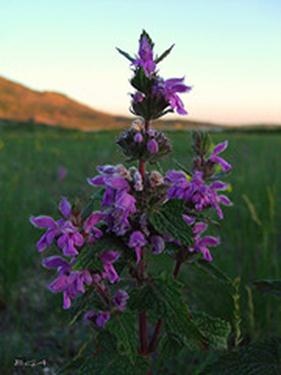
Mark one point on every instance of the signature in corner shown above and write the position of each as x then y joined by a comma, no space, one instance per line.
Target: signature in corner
30,363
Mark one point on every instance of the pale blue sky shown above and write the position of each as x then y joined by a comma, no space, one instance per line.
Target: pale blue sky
230,51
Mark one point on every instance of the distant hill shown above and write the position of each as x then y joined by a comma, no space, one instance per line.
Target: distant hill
21,104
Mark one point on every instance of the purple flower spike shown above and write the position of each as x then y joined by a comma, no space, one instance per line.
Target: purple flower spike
145,58
102,318
152,146
120,299
158,244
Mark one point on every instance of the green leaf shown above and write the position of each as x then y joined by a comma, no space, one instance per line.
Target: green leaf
216,330
92,204
123,327
213,271
125,54
164,54
260,358
170,347
89,255
269,286
168,220
141,82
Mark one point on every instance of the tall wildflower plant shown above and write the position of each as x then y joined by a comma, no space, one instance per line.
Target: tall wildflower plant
105,259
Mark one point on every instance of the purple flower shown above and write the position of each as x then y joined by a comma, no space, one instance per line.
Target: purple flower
56,262
170,89
120,299
138,97
189,220
108,258
138,138
202,244
45,222
61,173
145,57
102,318
152,146
70,239
158,244
137,179
214,158
90,228
117,201
137,241
65,233
65,208
70,283
196,192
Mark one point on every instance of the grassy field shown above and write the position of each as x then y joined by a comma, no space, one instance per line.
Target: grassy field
32,324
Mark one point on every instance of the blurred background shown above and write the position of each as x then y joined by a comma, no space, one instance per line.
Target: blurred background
64,95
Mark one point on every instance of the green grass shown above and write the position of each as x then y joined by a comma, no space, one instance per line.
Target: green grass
29,160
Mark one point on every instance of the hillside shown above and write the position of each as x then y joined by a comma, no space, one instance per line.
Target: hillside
19,103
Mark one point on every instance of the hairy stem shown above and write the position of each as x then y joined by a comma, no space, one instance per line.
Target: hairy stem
177,268
157,329
143,336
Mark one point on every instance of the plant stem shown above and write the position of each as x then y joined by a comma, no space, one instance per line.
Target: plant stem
177,268
157,329
143,337
154,339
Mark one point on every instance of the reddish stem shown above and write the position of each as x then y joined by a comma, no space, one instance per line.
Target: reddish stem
177,268
142,168
143,333
154,339
143,337
157,329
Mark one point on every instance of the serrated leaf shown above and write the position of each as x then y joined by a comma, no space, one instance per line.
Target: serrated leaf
216,330
125,54
269,286
88,257
141,82
170,347
213,271
123,327
175,313
164,54
92,204
260,358
168,220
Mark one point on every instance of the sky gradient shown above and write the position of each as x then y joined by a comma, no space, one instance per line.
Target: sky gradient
229,51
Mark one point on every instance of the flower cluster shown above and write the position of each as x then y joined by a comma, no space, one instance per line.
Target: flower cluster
139,143
154,96
200,191
122,204
70,234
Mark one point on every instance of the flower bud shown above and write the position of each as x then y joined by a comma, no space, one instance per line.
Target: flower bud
152,146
